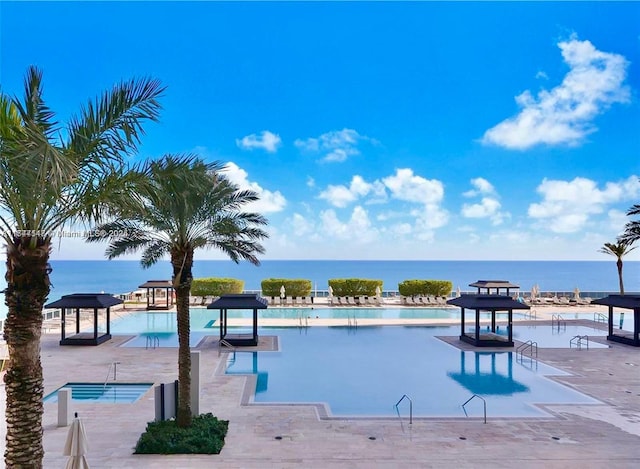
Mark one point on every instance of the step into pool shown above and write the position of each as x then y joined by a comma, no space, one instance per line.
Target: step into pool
109,393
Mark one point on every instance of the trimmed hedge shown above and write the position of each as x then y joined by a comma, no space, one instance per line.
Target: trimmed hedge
425,287
354,286
204,436
292,287
216,286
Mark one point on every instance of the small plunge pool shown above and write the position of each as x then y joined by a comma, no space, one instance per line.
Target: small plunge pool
101,393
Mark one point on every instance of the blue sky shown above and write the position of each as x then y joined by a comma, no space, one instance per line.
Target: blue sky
425,130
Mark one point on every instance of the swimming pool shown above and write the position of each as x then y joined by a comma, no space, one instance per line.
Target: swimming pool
110,393
203,320
366,371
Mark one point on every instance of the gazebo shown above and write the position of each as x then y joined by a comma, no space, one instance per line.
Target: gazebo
497,285
83,301
492,304
153,285
250,301
631,302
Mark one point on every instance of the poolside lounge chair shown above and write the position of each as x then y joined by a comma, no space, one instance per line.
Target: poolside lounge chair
410,301
298,301
307,301
351,301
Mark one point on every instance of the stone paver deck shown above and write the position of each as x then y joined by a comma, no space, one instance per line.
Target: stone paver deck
606,435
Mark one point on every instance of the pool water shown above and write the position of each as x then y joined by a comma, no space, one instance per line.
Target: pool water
205,320
364,372
111,393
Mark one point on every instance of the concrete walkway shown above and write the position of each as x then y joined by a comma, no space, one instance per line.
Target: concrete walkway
598,436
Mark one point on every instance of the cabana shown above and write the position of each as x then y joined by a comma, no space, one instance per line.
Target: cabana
250,301
492,304
631,302
497,285
154,285
84,301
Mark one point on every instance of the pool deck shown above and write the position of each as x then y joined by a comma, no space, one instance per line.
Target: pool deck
599,436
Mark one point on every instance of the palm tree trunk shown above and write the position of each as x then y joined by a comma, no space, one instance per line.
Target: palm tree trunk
619,264
182,262
27,289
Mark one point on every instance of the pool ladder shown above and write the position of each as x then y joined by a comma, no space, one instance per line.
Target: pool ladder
484,405
410,408
529,345
152,342
599,317
352,323
558,321
578,340
114,366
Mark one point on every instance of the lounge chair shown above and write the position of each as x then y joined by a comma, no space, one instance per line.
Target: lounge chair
351,301
307,301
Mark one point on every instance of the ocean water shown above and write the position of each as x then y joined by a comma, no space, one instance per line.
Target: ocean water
564,276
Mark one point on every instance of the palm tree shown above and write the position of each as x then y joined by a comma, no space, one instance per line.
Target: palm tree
619,250
52,175
184,204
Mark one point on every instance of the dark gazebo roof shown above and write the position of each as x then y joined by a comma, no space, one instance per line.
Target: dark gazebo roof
487,302
619,301
239,301
85,300
156,284
493,284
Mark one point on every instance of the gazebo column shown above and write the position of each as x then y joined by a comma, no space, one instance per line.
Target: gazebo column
610,321
510,325
477,326
493,321
255,324
636,326
108,320
77,320
462,322
95,323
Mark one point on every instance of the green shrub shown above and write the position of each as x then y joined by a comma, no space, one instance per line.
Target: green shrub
354,286
216,286
292,287
204,436
425,288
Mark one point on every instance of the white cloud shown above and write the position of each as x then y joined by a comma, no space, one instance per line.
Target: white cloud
266,140
404,185
357,228
481,186
269,201
334,146
488,206
564,114
340,195
567,205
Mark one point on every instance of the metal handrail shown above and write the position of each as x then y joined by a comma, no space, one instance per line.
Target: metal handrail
113,365
484,403
410,408
531,314
599,317
559,319
533,346
152,342
577,340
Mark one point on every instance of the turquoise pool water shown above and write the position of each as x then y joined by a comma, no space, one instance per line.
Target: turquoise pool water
111,393
364,372
201,318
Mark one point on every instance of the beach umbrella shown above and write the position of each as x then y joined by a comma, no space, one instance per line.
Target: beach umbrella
576,293
282,292
458,292
378,291
76,446
330,291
